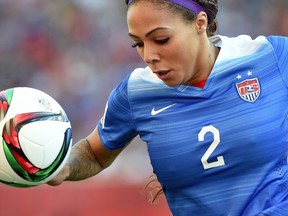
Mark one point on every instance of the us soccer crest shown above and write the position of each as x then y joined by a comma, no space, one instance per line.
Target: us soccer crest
249,89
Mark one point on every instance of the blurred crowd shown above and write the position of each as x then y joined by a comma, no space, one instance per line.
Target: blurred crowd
253,17
78,50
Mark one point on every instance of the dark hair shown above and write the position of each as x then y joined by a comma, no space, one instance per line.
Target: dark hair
210,8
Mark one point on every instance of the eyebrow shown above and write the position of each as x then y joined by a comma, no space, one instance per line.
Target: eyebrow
149,33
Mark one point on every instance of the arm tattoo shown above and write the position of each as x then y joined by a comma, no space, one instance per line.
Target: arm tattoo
82,162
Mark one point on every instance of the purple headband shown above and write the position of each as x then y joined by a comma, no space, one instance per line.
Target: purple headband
189,4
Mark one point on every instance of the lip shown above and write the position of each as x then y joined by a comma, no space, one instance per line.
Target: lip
163,74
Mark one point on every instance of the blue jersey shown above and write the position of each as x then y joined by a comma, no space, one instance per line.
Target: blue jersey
220,150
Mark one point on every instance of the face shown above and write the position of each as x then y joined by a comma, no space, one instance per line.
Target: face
169,45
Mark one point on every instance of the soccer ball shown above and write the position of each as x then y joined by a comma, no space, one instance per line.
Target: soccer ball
36,137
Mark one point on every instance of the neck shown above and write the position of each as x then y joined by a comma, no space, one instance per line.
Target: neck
205,61
213,54
208,59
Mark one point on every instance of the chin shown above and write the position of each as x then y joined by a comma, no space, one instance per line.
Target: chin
171,84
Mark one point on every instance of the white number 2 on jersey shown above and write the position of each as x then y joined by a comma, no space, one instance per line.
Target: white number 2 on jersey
216,134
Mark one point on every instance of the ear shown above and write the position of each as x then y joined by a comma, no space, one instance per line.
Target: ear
202,22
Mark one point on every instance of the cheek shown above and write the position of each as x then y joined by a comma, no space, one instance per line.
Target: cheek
185,63
182,48
182,57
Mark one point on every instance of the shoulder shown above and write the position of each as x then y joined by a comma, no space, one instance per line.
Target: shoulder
279,43
242,41
241,46
276,39
248,44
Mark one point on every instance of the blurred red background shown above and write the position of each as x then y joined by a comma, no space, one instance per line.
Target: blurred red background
79,199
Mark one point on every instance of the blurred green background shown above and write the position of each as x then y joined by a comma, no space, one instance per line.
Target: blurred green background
78,51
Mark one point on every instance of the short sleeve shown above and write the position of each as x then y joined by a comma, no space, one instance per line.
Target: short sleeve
116,127
280,46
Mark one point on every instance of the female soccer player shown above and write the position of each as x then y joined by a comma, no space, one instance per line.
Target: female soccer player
212,110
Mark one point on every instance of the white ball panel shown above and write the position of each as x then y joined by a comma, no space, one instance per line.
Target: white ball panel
5,177
41,145
51,150
27,100
60,166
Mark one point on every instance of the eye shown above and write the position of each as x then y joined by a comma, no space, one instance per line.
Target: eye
162,41
135,45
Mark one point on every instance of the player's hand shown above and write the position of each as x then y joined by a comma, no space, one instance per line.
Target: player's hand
60,177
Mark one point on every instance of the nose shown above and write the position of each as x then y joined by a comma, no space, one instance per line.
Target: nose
150,55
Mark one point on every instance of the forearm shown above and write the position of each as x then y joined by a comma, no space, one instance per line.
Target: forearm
82,162
87,158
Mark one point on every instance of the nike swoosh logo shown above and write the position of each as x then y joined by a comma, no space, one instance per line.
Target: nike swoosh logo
156,112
